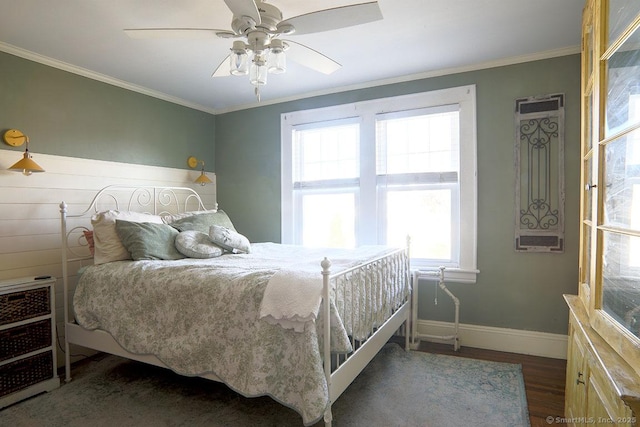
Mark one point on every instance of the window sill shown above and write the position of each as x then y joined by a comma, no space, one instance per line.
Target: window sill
456,275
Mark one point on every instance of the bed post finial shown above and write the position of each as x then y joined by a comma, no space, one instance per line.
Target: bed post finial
325,264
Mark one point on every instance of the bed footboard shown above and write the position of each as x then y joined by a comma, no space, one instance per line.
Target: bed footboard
374,301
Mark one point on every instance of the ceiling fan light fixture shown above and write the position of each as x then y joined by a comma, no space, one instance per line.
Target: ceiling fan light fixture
277,58
260,24
239,59
258,70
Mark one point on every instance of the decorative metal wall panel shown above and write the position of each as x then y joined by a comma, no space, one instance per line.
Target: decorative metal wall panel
539,152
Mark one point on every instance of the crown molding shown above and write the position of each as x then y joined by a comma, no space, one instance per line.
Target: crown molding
13,50
571,50
64,66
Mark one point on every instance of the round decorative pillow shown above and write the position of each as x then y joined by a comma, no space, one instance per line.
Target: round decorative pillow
195,244
229,240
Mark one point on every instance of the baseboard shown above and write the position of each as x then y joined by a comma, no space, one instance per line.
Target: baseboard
499,339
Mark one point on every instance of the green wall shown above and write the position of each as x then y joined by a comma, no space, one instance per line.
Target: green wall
69,115
514,290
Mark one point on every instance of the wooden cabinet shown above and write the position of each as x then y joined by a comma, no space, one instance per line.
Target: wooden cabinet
603,362
602,388
27,339
575,396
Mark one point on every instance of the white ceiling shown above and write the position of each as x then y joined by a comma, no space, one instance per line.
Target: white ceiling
416,38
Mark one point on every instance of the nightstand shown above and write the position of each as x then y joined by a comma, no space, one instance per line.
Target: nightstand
27,338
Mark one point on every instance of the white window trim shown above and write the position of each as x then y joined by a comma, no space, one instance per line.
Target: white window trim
465,97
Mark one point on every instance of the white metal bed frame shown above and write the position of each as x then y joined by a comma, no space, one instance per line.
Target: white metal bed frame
161,200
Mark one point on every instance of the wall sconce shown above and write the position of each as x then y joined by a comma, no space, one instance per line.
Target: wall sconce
203,179
27,166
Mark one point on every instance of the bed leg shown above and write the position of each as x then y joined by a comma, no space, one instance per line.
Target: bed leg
67,362
406,335
326,297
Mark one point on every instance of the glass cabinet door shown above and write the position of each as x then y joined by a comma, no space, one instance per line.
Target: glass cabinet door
621,232
621,15
615,288
587,83
622,85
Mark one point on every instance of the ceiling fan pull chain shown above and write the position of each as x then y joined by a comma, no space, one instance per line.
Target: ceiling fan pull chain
257,92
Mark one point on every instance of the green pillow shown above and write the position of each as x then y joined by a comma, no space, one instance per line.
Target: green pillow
146,240
202,222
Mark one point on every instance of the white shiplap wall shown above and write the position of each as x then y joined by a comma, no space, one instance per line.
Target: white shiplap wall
30,239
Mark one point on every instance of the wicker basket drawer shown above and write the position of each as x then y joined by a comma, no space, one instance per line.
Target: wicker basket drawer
23,373
24,339
17,306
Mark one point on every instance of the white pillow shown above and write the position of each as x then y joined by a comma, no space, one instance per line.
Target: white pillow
108,246
195,244
230,240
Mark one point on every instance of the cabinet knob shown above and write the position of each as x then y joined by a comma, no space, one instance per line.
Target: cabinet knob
589,187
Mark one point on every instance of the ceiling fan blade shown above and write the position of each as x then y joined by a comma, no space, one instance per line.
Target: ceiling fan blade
224,69
310,58
333,19
174,33
244,8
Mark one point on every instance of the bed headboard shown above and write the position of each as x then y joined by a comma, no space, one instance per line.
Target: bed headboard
153,200
147,199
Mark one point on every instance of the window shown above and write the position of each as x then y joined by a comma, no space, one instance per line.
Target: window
417,157
376,171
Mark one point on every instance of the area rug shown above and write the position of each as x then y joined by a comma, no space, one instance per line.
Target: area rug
397,388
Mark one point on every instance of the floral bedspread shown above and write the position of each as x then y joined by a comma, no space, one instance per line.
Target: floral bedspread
201,316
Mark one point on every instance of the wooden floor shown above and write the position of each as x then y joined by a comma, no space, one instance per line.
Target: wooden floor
544,378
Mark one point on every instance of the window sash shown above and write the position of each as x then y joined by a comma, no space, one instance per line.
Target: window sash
299,148
384,139
299,200
453,260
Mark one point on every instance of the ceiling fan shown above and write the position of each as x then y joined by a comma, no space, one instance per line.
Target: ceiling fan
259,26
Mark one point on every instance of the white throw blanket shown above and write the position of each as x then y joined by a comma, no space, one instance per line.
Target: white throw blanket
292,297
293,294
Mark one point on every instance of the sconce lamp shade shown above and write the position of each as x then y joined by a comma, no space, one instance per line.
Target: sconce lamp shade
203,179
26,165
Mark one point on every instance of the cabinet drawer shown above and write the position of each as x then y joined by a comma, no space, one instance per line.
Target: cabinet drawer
24,339
23,373
21,305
